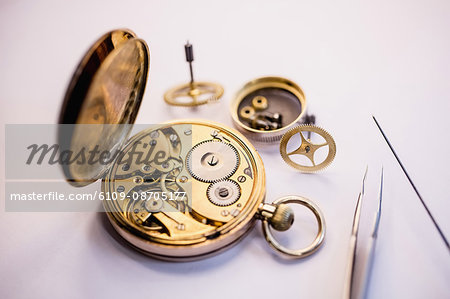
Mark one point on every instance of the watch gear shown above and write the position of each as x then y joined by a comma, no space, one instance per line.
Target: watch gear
307,148
224,193
193,93
210,161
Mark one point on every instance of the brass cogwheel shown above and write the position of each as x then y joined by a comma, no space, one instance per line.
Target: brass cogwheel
223,193
193,94
307,148
211,161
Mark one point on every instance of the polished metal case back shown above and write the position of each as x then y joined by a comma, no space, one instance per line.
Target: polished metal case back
102,101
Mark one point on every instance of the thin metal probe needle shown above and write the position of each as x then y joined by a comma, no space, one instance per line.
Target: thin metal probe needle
412,184
349,285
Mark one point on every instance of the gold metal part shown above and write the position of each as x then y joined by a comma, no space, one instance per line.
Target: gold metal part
247,112
307,148
269,211
260,103
284,98
224,193
212,160
281,217
105,91
193,94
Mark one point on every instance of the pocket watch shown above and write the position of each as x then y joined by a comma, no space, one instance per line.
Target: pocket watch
181,190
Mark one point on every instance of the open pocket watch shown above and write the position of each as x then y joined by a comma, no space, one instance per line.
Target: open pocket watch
179,191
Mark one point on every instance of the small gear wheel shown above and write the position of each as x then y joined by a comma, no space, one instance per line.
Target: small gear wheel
211,161
224,193
193,94
307,148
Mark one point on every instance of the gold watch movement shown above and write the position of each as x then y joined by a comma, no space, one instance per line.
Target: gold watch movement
198,199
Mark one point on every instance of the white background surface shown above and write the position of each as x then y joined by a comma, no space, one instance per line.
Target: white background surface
352,58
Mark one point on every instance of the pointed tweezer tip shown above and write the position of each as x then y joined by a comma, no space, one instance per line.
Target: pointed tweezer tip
357,213
381,185
364,179
378,213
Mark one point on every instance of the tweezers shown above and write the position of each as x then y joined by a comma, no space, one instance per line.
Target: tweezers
350,291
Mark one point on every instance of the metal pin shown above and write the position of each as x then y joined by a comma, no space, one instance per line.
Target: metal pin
189,58
310,119
412,184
